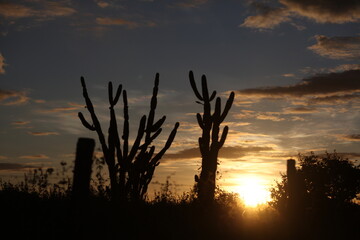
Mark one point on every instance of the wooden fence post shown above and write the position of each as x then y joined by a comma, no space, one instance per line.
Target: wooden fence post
82,170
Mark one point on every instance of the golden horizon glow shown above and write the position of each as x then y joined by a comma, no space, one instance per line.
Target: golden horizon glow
253,191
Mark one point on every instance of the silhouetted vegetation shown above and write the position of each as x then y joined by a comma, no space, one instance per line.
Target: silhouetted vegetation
314,201
130,168
209,142
41,206
322,182
319,197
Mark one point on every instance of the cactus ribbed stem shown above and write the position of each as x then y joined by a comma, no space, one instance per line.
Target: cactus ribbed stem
129,178
209,143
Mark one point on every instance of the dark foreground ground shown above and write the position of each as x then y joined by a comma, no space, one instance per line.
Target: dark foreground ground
25,216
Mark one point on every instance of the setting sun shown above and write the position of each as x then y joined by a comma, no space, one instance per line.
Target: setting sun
253,191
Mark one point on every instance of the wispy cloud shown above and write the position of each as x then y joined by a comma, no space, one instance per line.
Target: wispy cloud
300,110
59,109
102,4
337,47
14,166
288,75
267,17
269,117
337,99
116,21
40,9
21,124
36,156
350,138
43,133
335,11
345,67
190,3
72,107
2,64
10,97
225,152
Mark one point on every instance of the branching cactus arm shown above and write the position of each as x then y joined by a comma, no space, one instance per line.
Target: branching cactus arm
209,142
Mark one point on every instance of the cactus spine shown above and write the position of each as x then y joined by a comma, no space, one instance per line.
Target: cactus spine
130,169
209,142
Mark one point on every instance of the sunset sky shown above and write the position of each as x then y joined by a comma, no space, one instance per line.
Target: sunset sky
294,67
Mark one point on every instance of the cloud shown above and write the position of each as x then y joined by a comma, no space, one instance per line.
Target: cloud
320,11
340,99
350,138
43,133
269,117
299,110
102,4
333,11
2,64
267,17
9,97
14,166
345,67
116,21
350,155
190,3
225,152
21,124
288,75
321,85
39,9
60,109
36,156
337,47
13,10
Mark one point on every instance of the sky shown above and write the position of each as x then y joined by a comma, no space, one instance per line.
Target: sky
293,65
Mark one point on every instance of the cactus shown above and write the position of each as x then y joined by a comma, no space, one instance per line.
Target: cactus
130,169
209,142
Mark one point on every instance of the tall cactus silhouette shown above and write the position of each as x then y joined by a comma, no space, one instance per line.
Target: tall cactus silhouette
130,169
209,142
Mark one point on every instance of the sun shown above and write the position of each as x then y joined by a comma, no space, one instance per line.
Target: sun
253,191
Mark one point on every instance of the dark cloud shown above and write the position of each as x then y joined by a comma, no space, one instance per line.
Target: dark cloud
350,155
329,11
322,85
225,152
351,137
337,47
9,97
14,166
335,99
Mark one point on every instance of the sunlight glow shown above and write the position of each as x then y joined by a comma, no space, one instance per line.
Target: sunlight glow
253,191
